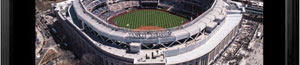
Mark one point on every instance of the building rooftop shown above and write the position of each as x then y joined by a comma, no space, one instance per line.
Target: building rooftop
230,22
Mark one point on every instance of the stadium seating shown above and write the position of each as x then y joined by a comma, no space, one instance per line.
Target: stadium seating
122,5
93,4
85,2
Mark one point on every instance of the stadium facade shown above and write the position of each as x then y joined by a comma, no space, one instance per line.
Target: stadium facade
213,25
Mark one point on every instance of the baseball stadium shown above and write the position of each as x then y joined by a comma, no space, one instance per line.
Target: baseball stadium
152,32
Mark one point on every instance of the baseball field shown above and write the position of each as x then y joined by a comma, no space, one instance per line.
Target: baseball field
147,19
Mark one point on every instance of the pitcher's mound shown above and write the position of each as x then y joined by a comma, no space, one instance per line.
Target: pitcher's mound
143,28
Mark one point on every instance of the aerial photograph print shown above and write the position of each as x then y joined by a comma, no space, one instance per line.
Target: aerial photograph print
149,32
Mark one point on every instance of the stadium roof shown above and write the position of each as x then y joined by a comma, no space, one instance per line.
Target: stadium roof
220,33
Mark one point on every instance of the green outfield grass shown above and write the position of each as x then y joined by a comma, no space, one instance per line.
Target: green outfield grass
148,18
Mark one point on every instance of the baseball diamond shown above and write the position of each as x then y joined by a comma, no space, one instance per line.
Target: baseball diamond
140,18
